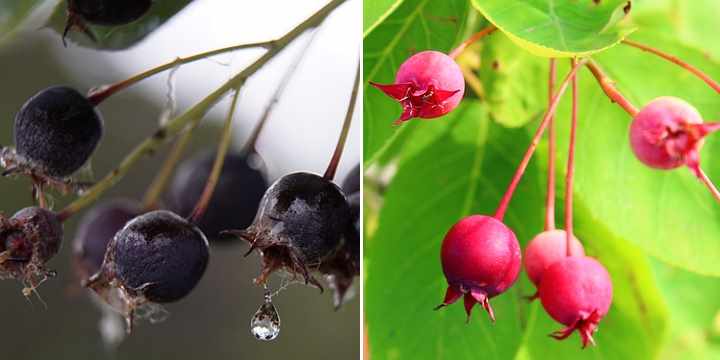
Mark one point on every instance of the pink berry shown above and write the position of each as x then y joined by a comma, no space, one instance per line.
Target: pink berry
577,292
481,259
429,84
547,248
668,133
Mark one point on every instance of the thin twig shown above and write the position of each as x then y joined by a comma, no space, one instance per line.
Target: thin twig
610,90
335,160
473,38
570,173
550,196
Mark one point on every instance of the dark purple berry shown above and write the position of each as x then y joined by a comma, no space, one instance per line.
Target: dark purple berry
95,231
235,200
57,130
351,184
109,12
300,223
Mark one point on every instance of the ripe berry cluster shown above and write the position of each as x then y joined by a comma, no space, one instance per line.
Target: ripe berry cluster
481,256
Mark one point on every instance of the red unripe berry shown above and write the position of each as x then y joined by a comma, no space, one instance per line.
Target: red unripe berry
668,133
429,84
577,292
547,248
481,259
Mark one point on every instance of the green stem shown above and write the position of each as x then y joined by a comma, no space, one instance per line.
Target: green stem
332,167
174,126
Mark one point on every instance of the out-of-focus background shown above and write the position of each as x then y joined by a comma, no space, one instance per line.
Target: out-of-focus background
213,321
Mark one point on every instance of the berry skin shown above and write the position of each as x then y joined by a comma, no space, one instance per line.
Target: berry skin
235,200
429,84
300,223
351,184
481,259
109,12
158,256
57,130
577,292
547,248
668,133
97,228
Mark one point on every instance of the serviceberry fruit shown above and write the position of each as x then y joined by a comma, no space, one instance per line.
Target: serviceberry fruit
351,184
481,259
95,231
577,292
103,12
547,248
56,132
237,194
668,133
300,223
28,240
429,84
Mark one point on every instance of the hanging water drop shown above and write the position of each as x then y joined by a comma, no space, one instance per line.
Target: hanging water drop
265,324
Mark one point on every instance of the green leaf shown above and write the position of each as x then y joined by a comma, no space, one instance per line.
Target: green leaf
416,25
375,11
119,37
552,28
13,13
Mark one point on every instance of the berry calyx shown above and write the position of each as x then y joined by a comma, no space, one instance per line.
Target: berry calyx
481,259
668,133
56,132
300,223
429,84
547,248
577,292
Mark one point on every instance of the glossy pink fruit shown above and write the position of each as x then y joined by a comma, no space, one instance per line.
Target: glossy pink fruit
427,85
545,249
481,259
668,133
577,292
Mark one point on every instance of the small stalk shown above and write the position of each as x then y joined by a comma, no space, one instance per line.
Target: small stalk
335,160
212,180
550,196
610,90
473,38
505,201
675,60
709,184
571,166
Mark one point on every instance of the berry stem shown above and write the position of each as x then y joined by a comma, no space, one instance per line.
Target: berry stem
550,196
174,126
152,195
212,180
250,146
673,59
473,38
505,201
570,173
709,184
610,90
335,160
100,93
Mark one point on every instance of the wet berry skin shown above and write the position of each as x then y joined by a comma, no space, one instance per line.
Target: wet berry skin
109,12
160,255
235,200
58,129
97,228
351,184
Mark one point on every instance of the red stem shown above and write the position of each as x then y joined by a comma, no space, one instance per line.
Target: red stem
550,197
473,38
706,180
610,90
571,166
505,201
673,59
335,160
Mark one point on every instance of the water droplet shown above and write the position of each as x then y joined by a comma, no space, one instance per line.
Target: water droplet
265,324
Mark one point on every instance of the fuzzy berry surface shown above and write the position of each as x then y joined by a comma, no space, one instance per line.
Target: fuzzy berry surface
109,12
38,233
547,248
58,129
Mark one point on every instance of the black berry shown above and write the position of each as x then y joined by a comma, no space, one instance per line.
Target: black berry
237,194
351,184
109,12
57,130
300,222
95,231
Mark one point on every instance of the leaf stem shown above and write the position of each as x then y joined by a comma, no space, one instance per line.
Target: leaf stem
550,196
225,139
473,38
335,160
570,173
709,184
174,126
673,59
610,90
505,201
